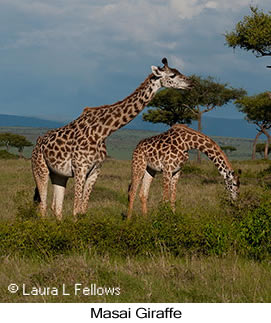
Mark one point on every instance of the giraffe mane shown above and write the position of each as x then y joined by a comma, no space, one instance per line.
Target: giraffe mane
137,90
192,131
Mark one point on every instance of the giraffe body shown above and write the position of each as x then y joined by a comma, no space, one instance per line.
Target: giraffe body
78,149
167,153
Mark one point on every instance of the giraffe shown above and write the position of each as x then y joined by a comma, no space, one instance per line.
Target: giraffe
78,148
167,153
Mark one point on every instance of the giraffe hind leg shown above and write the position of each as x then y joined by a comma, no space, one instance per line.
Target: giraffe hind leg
137,175
36,196
173,190
144,190
40,195
90,181
167,178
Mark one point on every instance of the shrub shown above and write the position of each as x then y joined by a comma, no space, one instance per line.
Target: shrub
254,232
245,229
7,155
26,208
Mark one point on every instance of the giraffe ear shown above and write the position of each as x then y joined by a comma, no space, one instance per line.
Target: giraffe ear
156,71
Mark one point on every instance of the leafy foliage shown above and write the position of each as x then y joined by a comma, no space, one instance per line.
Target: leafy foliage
7,155
257,108
253,33
258,111
228,148
246,231
170,108
255,232
174,106
8,139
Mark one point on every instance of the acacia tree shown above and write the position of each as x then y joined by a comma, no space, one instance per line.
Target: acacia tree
9,139
258,111
6,139
207,94
172,106
228,149
20,142
253,33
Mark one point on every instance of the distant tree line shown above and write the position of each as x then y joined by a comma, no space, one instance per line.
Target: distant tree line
8,139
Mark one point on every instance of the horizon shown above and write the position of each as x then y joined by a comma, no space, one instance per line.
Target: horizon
212,126
69,120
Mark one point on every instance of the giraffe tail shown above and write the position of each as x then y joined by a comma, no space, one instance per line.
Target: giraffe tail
37,196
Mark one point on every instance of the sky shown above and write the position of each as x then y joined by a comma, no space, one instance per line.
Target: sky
59,56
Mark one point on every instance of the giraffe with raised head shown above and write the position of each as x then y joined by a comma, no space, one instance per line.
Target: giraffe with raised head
78,149
167,153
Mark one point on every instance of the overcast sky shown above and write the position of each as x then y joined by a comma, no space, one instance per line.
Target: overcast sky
58,56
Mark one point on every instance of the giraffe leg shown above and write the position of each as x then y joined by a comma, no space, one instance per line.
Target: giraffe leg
144,191
91,180
173,188
167,177
79,182
41,176
137,174
59,187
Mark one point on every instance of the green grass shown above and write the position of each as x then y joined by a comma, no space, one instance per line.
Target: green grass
153,279
209,251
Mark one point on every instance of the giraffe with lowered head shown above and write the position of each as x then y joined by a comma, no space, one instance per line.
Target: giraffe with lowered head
167,153
78,149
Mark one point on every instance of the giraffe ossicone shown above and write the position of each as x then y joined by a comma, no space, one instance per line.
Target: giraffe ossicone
167,153
78,148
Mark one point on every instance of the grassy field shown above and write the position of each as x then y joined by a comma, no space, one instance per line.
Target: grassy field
209,251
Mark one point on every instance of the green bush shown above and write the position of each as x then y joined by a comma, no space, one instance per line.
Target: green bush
245,230
189,168
26,209
254,232
7,155
265,172
218,238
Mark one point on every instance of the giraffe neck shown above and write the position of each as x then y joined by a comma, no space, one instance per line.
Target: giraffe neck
106,119
195,140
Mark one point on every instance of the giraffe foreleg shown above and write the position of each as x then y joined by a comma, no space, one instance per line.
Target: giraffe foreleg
144,191
59,187
79,183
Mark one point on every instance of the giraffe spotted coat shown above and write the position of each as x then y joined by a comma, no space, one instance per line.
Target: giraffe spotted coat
167,153
78,149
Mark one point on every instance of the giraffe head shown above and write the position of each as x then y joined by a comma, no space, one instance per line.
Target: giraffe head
170,77
233,184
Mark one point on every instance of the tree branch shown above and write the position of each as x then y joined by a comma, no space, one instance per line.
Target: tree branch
208,109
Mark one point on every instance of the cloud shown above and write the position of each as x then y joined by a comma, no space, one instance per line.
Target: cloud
187,9
76,52
85,24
